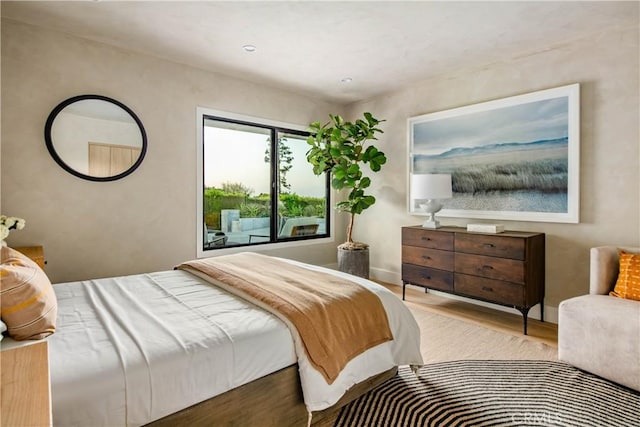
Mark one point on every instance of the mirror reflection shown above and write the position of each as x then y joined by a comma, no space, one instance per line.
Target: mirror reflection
95,138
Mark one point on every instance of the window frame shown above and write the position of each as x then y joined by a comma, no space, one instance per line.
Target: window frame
202,114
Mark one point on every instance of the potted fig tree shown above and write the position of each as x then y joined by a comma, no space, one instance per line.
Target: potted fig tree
343,148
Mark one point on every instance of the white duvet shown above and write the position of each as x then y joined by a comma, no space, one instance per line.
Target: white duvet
130,350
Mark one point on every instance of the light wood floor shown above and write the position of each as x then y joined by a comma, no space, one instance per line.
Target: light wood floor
484,316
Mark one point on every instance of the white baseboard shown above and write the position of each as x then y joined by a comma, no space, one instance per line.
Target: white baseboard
395,278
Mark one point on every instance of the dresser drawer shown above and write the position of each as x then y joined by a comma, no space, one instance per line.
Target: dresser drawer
428,277
434,258
509,270
482,244
489,290
427,238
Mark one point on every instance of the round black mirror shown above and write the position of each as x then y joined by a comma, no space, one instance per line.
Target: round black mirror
96,138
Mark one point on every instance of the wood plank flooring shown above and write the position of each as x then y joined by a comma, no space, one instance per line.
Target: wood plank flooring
501,321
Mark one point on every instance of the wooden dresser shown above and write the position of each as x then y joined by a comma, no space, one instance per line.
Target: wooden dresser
506,268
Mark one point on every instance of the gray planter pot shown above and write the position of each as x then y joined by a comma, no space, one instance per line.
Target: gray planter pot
354,262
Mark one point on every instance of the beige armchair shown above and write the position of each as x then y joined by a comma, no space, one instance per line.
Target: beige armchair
600,333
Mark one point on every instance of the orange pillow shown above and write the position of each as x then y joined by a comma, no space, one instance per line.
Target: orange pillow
28,304
628,283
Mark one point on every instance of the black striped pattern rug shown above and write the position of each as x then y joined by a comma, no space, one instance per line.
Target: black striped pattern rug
495,393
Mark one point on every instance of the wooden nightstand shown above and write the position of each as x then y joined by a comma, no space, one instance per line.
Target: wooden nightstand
36,253
26,399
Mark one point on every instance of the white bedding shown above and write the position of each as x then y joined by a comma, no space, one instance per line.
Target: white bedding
133,349
130,350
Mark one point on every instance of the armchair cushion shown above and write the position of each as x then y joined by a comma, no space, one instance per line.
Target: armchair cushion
598,332
628,283
601,334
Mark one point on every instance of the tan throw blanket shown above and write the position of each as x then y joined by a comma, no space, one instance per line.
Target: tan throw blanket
335,318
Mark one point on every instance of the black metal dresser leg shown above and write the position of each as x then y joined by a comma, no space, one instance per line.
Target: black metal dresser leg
525,312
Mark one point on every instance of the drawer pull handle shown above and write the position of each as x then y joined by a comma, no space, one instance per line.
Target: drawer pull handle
426,238
486,288
488,245
426,277
426,257
487,267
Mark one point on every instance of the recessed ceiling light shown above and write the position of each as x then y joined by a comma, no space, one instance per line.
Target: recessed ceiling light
249,48
346,80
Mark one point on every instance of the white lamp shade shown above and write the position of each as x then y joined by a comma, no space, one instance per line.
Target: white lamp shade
431,186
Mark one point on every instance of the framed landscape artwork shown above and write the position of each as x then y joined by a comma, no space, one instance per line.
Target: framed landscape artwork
515,158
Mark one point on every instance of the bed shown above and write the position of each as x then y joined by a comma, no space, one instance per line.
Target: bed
174,348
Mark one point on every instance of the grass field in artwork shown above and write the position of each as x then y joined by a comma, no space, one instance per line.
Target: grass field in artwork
524,180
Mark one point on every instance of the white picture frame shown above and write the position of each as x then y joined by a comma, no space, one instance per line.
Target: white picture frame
515,158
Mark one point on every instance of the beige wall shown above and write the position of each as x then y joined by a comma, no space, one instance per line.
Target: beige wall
145,221
607,68
0,118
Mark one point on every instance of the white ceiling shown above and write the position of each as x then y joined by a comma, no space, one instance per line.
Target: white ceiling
309,46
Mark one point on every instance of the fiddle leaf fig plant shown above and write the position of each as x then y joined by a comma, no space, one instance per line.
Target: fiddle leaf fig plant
340,147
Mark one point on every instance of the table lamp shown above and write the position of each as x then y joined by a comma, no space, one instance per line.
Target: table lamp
432,188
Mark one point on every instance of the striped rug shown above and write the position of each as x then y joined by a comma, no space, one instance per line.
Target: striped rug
495,393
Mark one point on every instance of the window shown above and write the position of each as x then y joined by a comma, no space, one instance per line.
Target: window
256,186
